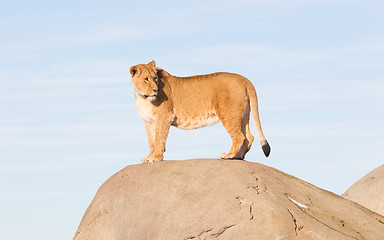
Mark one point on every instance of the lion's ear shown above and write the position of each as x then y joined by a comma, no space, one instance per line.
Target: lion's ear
133,70
158,69
152,64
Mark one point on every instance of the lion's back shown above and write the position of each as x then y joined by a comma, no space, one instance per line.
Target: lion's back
197,99
200,87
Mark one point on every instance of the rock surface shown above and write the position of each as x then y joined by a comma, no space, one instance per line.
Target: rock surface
217,199
369,191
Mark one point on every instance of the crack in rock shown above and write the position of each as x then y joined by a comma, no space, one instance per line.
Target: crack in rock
254,185
266,190
361,235
294,221
203,234
326,225
215,235
251,212
98,215
256,188
247,202
199,235
310,200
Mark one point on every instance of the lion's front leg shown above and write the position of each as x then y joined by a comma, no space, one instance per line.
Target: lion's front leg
158,133
150,127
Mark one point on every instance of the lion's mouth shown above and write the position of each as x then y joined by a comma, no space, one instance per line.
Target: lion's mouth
146,96
152,96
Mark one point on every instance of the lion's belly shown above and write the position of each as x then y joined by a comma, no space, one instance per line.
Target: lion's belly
195,122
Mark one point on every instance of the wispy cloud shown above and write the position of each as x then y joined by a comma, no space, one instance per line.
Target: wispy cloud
339,92
92,36
335,131
89,78
51,94
90,72
68,134
271,57
69,162
277,3
96,127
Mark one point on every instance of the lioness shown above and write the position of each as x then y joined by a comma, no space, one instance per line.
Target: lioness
163,100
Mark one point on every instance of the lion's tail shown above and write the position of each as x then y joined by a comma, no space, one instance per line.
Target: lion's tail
255,114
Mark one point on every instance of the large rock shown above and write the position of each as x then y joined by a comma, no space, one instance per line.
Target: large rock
208,199
369,191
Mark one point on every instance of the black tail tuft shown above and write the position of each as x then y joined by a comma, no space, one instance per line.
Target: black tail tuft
266,149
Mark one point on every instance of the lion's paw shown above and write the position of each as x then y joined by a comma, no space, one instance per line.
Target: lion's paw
227,156
230,156
151,158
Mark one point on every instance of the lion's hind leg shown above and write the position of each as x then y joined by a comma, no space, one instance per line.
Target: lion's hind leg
237,126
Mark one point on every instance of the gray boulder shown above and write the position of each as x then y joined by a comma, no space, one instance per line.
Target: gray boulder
369,191
220,199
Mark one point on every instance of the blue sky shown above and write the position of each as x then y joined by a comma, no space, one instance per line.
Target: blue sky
68,119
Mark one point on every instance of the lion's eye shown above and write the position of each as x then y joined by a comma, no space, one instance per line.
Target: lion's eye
146,79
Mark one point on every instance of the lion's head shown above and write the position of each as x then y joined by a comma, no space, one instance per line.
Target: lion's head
145,80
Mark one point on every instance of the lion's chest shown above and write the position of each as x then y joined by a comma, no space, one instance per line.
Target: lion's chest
145,109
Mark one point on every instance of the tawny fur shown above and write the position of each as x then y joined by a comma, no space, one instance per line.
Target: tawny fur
163,100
